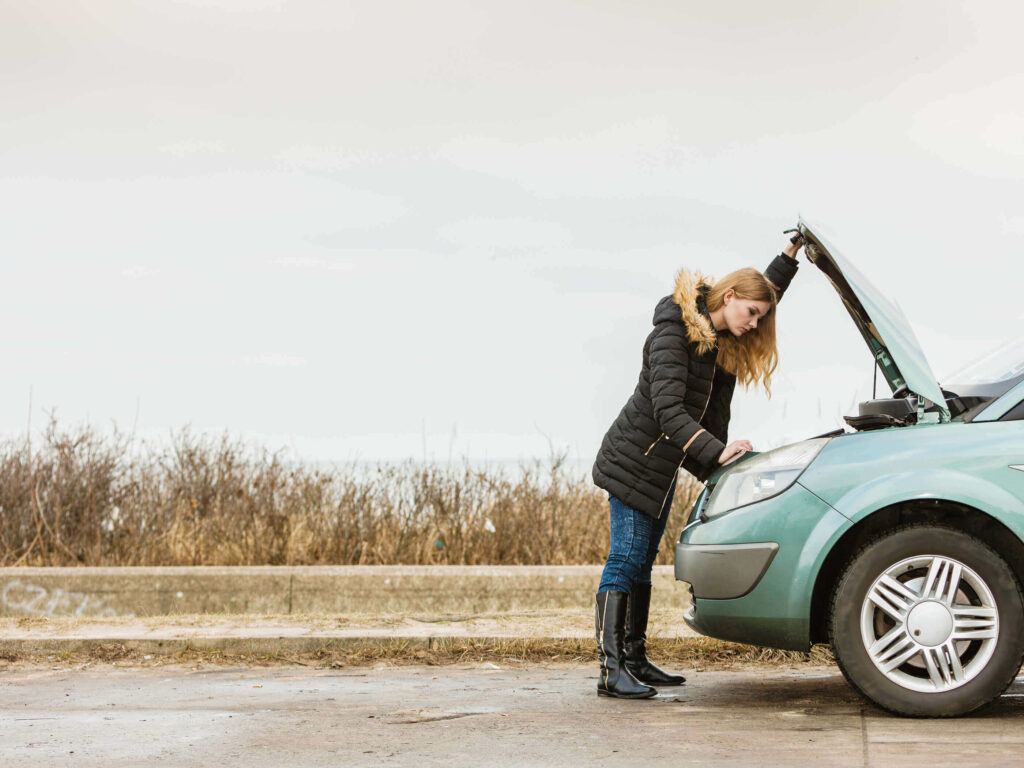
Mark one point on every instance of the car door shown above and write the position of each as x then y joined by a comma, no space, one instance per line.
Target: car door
1012,422
1002,429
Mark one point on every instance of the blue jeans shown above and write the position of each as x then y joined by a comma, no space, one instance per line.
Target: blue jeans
634,544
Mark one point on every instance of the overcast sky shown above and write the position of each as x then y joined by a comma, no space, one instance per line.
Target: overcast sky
389,229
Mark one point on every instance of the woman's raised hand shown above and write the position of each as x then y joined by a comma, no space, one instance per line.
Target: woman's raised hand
796,242
734,450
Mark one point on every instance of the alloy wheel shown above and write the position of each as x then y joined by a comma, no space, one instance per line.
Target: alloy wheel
929,623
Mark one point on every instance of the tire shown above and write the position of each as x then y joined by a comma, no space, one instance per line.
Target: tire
928,621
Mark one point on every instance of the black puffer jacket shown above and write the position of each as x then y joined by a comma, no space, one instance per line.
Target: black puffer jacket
679,413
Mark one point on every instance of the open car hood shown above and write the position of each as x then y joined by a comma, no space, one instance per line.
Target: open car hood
880,321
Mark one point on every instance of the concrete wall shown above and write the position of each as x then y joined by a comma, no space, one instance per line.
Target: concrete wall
287,590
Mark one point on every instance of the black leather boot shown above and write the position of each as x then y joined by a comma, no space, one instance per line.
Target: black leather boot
609,622
636,641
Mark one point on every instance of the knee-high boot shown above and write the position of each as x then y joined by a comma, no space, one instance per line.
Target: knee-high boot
636,641
609,623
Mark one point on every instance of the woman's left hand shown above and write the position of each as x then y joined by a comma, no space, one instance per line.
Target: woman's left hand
792,248
734,450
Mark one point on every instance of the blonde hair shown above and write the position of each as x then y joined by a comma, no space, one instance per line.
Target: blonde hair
752,357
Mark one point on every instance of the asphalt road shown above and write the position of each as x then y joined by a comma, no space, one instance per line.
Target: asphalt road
472,715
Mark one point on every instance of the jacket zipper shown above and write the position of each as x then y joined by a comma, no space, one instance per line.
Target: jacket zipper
651,446
706,403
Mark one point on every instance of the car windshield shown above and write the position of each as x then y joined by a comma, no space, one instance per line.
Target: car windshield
1004,362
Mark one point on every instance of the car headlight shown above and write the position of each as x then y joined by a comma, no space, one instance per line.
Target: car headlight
763,476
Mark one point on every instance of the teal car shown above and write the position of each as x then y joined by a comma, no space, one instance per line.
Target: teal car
899,540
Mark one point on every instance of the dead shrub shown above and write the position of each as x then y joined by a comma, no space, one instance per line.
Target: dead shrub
81,497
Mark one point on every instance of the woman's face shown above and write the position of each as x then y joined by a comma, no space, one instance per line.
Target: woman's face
743,315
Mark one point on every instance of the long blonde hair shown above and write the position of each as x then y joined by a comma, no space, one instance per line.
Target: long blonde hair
752,357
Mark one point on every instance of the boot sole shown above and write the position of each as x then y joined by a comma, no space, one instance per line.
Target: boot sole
601,692
653,682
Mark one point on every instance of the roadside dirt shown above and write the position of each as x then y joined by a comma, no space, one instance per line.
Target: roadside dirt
522,624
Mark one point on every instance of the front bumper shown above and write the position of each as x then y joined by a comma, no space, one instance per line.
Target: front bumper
752,570
723,571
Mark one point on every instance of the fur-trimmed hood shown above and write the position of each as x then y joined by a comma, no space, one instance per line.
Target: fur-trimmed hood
687,304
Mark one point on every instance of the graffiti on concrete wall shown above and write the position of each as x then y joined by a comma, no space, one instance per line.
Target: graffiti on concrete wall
34,600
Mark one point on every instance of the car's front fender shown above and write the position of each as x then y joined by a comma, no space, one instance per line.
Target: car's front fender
968,464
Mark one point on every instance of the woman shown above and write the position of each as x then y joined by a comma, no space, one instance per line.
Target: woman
705,338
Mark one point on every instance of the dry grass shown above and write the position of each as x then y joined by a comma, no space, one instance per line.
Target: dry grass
84,498
693,653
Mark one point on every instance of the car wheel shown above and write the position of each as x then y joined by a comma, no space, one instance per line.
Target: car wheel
928,621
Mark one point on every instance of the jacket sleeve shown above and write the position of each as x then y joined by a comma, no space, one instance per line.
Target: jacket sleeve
781,272
669,360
